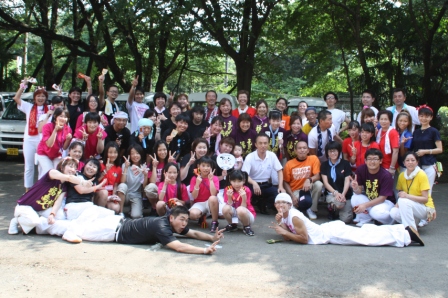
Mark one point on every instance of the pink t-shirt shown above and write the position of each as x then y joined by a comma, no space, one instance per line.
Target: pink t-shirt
160,167
92,141
171,192
237,200
56,150
204,188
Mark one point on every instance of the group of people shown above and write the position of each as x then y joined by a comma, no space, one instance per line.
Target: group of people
96,176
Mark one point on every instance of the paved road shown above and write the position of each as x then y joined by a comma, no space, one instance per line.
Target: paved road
35,265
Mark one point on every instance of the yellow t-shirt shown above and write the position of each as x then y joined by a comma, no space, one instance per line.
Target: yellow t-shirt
415,186
307,128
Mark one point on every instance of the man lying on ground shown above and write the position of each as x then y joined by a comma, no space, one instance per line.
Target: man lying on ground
292,225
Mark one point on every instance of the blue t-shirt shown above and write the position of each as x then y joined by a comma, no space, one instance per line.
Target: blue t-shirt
426,139
407,145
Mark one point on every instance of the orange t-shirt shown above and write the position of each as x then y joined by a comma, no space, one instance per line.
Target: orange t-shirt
296,172
285,122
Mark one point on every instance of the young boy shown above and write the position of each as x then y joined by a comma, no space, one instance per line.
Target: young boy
204,189
275,132
311,116
368,97
179,141
197,125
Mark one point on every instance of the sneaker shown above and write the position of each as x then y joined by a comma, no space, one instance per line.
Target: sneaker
361,223
331,212
69,236
231,227
414,235
311,214
215,226
422,223
13,227
248,231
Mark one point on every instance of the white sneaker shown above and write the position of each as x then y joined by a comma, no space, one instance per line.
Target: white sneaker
71,237
422,223
13,227
311,214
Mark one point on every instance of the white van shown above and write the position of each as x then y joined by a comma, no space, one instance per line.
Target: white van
315,102
199,99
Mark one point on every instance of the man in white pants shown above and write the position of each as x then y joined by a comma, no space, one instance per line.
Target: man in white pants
292,225
373,188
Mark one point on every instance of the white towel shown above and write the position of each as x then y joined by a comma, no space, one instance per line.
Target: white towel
387,148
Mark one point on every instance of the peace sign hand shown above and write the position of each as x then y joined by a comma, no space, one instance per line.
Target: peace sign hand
354,182
192,158
100,134
85,135
210,175
108,165
155,162
127,163
171,157
135,81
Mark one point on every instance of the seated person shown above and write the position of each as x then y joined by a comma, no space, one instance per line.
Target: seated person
336,173
172,192
292,225
118,132
178,139
373,191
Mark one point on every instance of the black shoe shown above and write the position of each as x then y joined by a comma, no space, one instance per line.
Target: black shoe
231,227
332,212
414,235
215,226
248,231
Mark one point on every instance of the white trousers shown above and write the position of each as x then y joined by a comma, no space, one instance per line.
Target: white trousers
378,212
29,151
368,234
407,210
431,173
28,218
44,164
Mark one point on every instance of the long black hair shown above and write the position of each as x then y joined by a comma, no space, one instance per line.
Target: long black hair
178,182
97,164
109,145
238,175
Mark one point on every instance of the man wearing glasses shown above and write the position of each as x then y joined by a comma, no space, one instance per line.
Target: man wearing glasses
108,105
292,225
373,191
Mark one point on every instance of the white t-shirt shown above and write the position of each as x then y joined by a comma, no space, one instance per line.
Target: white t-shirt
338,117
312,140
260,169
26,108
412,111
316,234
375,110
136,110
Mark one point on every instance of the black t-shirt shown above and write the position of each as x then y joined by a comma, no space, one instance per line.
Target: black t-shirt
343,169
426,139
147,230
167,125
197,131
74,197
112,135
181,144
74,112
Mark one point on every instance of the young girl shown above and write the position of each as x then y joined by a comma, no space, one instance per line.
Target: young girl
403,125
135,105
76,151
31,136
92,106
56,102
426,142
260,120
275,132
91,135
238,204
204,189
238,153
366,142
134,176
243,105
56,137
213,134
348,146
225,110
294,135
111,171
158,162
172,192
189,163
282,105
244,135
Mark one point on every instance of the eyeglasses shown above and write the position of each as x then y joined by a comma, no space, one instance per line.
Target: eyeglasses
330,97
373,159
